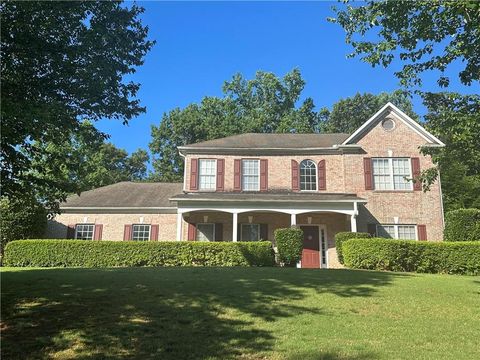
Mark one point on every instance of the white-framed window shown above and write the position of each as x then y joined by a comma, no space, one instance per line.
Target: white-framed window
250,232
392,174
205,232
207,174
84,231
397,231
250,175
308,175
140,232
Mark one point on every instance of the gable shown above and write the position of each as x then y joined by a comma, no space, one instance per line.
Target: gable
390,111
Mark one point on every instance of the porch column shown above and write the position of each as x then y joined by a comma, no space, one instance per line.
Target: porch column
235,227
293,220
353,223
179,226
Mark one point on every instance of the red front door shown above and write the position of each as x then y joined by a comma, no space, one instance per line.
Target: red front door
311,247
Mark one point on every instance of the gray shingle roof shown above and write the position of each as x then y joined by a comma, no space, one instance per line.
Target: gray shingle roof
272,141
126,194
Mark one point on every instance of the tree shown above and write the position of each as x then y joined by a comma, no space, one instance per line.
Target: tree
349,114
424,34
263,104
62,63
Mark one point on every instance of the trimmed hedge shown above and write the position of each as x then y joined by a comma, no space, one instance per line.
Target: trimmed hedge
289,245
83,253
462,225
413,256
341,237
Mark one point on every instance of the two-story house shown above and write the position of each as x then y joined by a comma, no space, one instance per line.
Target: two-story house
243,187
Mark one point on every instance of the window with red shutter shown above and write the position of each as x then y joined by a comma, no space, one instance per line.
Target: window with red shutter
220,174
263,175
417,185
194,174
367,173
295,176
237,175
322,175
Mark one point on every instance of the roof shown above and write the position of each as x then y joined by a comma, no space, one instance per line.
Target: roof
270,142
280,196
126,195
412,124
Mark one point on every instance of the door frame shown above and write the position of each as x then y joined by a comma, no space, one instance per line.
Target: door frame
320,227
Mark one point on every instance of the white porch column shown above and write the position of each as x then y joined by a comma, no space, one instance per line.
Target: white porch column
353,223
179,226
235,227
293,220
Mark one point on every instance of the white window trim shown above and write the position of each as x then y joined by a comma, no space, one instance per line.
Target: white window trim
241,231
300,177
395,227
242,174
149,231
392,175
85,224
214,233
200,174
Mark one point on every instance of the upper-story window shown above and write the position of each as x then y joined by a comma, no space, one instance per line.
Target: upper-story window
250,175
207,170
392,174
308,175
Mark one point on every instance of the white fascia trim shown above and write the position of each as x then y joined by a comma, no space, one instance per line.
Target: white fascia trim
267,200
420,130
117,208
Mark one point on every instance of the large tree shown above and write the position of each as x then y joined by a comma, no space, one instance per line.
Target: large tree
62,63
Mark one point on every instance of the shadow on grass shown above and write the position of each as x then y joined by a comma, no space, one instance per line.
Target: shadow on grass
166,313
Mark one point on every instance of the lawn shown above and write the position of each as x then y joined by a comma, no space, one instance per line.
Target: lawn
246,313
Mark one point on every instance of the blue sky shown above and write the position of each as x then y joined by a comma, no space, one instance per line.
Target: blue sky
202,44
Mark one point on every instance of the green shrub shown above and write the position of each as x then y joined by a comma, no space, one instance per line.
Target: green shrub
341,237
462,225
289,245
414,256
83,253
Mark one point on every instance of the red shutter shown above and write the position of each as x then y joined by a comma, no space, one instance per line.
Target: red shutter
422,232
127,233
367,173
192,232
322,175
97,234
295,180
194,174
417,185
263,175
71,231
154,232
220,174
237,175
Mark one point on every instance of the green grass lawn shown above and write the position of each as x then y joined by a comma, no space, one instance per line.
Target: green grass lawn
246,313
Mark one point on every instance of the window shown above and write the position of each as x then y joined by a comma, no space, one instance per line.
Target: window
392,174
207,174
404,232
308,175
141,232
84,231
250,232
206,232
250,175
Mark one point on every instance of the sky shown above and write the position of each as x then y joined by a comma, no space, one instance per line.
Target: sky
199,45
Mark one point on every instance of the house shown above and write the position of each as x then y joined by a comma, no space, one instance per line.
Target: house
244,187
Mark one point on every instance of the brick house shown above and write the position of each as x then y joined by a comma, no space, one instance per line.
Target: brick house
243,187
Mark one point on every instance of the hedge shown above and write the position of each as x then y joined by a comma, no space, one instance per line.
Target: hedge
341,237
84,253
413,256
289,245
462,225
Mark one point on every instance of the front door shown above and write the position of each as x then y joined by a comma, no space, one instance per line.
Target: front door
311,247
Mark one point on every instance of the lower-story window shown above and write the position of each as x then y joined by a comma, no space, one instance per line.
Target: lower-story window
141,232
395,231
250,232
84,231
205,232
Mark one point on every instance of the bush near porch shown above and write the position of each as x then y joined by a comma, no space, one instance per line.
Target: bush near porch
289,245
413,256
341,237
83,253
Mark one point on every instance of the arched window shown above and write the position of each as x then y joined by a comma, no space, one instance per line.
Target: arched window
308,175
